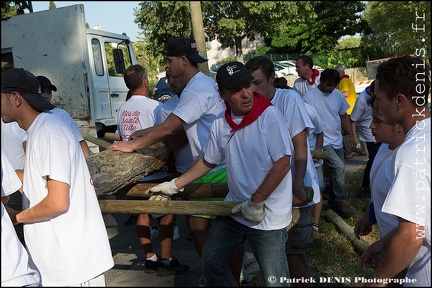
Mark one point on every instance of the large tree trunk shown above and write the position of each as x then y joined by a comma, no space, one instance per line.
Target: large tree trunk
113,170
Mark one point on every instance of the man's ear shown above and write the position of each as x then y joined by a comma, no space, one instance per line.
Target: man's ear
16,98
401,101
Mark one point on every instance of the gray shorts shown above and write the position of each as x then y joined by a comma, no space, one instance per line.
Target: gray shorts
300,236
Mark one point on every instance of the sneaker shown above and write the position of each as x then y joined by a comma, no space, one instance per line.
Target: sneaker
176,234
203,282
173,269
154,232
152,267
345,210
244,276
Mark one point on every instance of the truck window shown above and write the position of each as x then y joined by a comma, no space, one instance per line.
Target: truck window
109,47
97,57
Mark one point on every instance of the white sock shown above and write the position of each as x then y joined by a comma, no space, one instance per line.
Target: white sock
154,258
167,262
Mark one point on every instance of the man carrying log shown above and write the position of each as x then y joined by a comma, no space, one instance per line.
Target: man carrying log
198,107
140,112
251,135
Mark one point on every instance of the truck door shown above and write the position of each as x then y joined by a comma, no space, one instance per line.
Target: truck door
108,90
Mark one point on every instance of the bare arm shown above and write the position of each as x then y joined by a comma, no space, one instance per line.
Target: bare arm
53,205
346,126
356,144
145,137
197,170
273,179
401,249
300,162
319,141
85,148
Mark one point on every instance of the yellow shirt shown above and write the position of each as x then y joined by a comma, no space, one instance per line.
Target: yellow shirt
346,84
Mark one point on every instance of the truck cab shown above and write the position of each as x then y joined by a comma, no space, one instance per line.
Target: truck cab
86,65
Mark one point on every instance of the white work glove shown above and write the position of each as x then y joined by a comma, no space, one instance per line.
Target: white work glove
165,188
251,211
159,197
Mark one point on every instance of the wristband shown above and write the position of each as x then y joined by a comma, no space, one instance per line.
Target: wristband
371,214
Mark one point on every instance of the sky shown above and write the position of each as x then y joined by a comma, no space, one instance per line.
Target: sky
111,16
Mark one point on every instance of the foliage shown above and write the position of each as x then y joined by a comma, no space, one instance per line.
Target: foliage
286,26
12,8
320,29
391,24
161,21
151,63
52,5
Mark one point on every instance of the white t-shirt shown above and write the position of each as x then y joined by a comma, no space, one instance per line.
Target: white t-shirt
250,153
409,196
297,119
12,138
330,106
63,114
302,86
15,269
199,106
182,155
381,181
318,128
73,247
361,114
139,112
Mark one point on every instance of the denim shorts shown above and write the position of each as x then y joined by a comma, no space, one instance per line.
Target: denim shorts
300,236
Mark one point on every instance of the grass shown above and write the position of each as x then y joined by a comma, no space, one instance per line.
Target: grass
333,254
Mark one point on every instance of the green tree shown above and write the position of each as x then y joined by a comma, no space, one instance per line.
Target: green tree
147,60
392,28
161,21
12,8
320,29
227,21
52,5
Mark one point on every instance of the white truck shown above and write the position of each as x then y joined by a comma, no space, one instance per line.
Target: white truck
85,65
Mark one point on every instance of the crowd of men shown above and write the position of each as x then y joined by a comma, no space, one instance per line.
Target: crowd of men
241,130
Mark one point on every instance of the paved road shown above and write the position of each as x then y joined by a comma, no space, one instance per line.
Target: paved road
129,257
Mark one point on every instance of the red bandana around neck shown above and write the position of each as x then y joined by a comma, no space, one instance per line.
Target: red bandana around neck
344,76
260,104
315,73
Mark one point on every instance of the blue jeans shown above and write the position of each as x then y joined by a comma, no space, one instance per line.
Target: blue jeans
336,165
226,235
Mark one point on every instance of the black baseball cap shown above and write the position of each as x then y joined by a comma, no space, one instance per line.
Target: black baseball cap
232,75
24,82
46,83
184,47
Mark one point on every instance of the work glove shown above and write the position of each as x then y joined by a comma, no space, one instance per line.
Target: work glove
159,197
251,211
165,188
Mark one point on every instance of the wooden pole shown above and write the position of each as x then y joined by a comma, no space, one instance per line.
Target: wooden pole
346,230
97,141
221,208
319,154
190,190
198,32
